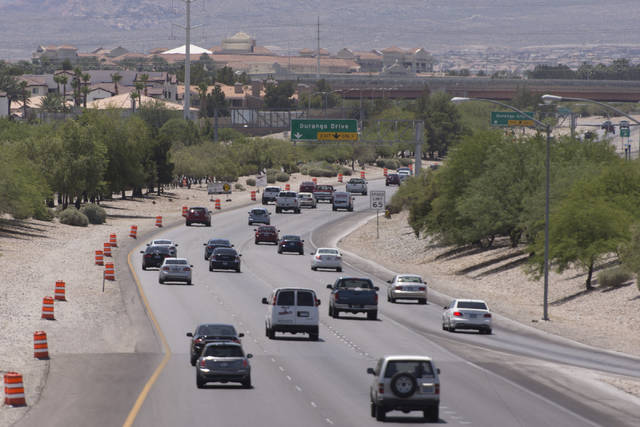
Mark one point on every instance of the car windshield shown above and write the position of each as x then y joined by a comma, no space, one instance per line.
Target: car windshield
217,330
476,305
291,238
258,212
355,283
328,251
412,279
224,351
416,368
175,261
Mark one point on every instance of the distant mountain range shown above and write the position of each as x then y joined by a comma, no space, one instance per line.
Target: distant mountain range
289,25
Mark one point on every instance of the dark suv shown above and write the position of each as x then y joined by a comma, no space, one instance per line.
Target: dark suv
307,187
224,259
199,215
392,179
211,332
154,256
291,243
213,244
266,233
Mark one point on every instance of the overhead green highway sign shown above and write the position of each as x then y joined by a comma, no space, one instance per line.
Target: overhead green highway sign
324,130
510,118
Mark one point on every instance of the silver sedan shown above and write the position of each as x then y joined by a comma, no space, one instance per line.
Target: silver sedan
467,314
407,286
327,258
175,270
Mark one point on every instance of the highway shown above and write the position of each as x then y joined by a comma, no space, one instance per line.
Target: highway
509,378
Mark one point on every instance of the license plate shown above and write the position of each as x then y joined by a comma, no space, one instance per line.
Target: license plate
412,288
224,364
224,263
473,316
427,389
303,314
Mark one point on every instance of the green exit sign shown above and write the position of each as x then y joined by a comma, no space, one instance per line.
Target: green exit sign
625,132
324,129
511,118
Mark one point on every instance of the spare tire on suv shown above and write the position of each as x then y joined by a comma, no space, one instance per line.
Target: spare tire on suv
403,384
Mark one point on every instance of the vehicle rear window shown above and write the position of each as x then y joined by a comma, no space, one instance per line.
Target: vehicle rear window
285,298
162,242
287,194
272,190
217,330
293,238
324,188
473,305
219,242
198,210
305,298
411,279
355,283
158,250
328,251
224,251
267,228
224,351
176,261
258,212
414,367
356,181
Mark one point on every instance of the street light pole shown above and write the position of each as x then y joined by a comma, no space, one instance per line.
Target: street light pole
547,128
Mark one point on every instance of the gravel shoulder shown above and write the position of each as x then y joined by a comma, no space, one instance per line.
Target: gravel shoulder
35,254
606,317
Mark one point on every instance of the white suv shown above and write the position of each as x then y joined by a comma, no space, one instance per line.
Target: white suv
405,383
293,310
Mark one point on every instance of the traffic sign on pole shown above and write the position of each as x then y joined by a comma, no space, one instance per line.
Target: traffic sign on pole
377,199
510,118
625,132
324,130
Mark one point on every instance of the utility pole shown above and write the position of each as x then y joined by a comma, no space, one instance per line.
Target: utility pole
318,53
187,63
418,153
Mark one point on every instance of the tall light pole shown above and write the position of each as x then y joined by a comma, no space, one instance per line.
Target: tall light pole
547,128
187,62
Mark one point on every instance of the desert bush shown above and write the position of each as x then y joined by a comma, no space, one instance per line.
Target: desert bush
72,216
388,163
239,186
346,171
614,276
43,213
282,177
322,172
96,214
405,162
251,182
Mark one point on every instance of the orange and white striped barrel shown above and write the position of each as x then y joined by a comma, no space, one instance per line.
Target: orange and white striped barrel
362,174
385,171
217,205
40,346
99,258
411,167
253,196
47,308
109,271
158,221
314,180
107,249
184,211
134,231
59,292
287,187
13,389
339,177
113,241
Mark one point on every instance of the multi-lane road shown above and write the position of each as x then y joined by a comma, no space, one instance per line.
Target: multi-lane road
515,377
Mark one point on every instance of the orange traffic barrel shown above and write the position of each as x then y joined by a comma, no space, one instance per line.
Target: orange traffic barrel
47,308
112,240
158,221
411,167
59,293
253,196
339,177
218,204
13,389
315,180
385,171
287,187
361,174
134,231
107,249
109,271
40,346
184,210
99,258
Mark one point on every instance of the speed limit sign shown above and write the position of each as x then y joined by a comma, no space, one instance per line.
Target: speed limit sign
377,199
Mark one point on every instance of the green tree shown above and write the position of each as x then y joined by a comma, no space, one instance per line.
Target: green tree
442,123
115,78
278,95
144,78
225,75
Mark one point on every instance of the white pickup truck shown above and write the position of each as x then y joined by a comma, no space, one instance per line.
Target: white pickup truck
357,185
287,201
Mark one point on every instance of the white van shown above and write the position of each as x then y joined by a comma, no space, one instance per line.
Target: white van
342,200
292,310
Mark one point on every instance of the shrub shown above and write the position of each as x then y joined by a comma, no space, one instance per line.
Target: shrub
72,216
96,214
239,186
346,171
614,276
322,172
271,179
282,177
251,182
43,213
405,162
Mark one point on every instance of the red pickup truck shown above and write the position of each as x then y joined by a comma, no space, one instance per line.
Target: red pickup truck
324,192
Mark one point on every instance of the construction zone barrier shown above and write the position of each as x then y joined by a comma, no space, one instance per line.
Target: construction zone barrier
158,221
253,196
287,187
411,167
47,308
184,211
59,292
13,389
107,249
40,346
362,174
113,241
385,171
109,271
99,258
339,177
314,180
133,232
217,205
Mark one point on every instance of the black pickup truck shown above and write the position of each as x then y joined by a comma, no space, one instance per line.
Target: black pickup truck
353,295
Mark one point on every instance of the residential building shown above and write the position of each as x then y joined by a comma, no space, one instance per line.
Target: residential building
416,60
56,54
369,62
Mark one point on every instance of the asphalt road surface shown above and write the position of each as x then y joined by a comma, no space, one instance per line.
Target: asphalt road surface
515,377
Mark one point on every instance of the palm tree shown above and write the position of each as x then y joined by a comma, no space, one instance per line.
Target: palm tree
64,79
115,78
52,102
202,92
76,84
134,94
24,94
86,79
144,78
56,78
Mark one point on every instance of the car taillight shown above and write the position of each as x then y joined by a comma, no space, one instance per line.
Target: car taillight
457,314
236,340
421,288
245,363
199,340
237,258
381,388
148,255
437,388
487,315
317,303
376,298
336,296
212,257
203,364
165,268
318,257
187,269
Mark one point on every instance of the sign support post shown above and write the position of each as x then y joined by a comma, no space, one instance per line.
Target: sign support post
377,202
